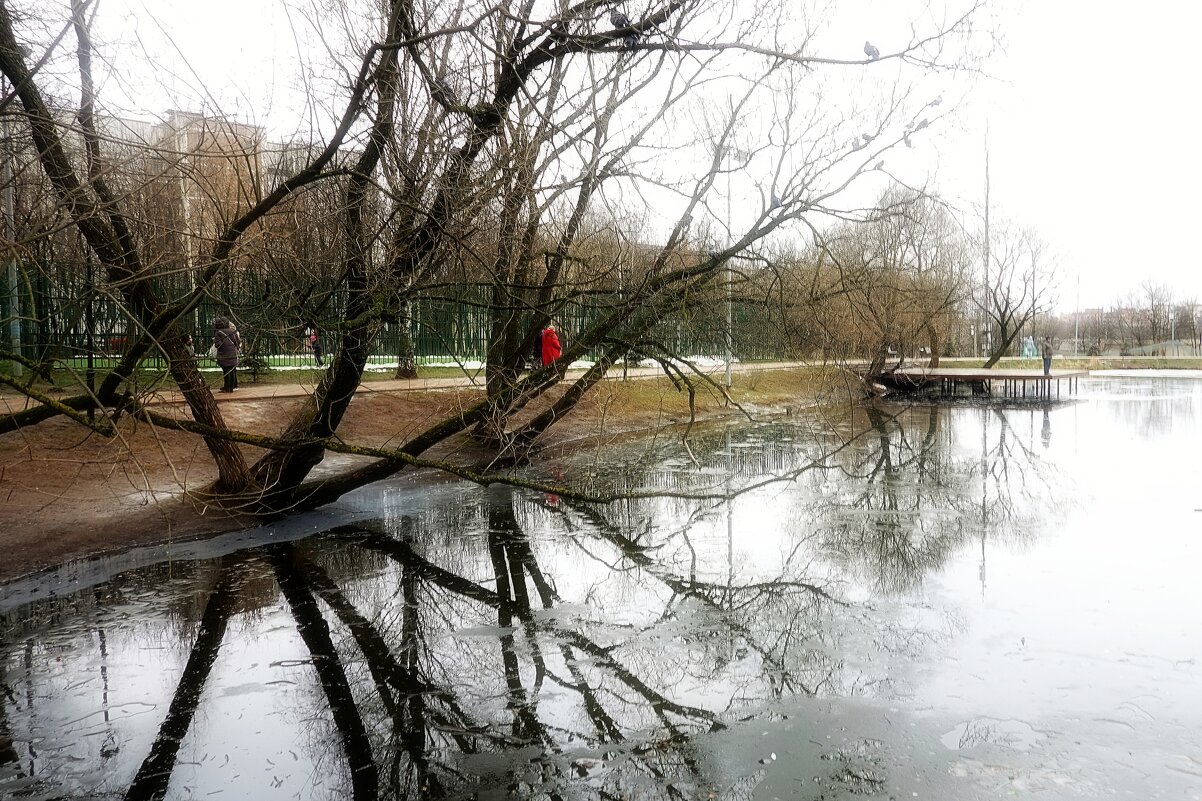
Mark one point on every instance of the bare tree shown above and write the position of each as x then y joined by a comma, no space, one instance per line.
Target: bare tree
472,144
1020,286
1158,303
885,286
1186,314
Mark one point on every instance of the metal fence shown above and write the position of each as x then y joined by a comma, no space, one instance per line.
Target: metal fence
53,325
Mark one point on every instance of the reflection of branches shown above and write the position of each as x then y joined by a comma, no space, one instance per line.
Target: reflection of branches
7,752
905,492
704,592
403,553
605,725
604,656
155,772
509,567
915,502
392,676
1013,478
315,632
599,655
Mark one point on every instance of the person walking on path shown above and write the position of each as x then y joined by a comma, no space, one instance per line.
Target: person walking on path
1047,355
551,349
227,343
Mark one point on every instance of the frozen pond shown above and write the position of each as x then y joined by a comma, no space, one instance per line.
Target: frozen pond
949,601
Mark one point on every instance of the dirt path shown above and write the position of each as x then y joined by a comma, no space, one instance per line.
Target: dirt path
67,494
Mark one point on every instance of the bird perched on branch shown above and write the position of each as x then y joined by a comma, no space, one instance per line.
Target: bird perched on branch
619,21
871,51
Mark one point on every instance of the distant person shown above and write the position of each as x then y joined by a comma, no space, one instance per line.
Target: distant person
313,340
537,350
550,349
189,346
227,343
1047,355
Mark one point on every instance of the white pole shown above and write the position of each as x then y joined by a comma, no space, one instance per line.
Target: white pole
987,343
621,300
729,310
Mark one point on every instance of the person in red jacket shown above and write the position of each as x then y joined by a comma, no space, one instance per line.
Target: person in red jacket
551,348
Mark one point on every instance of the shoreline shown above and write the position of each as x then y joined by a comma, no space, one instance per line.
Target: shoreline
68,499
105,510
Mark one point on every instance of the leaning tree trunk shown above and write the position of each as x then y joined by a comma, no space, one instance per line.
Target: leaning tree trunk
1004,342
95,211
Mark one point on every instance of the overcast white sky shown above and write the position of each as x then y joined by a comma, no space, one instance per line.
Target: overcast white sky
1092,111
1093,122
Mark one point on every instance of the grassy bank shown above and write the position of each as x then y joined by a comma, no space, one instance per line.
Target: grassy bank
1093,363
641,404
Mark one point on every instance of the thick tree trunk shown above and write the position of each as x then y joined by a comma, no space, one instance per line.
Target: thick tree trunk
934,342
233,472
99,219
1004,342
406,356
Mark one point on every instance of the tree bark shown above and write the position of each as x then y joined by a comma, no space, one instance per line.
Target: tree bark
406,357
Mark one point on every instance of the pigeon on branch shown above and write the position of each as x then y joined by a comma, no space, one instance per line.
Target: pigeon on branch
871,51
619,21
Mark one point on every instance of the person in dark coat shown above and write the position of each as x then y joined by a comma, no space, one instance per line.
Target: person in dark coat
1047,355
313,340
551,349
228,343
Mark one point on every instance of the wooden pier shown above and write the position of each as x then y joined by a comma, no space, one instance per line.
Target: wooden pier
1013,383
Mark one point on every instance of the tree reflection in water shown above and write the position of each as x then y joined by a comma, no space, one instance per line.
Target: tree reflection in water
595,661
916,491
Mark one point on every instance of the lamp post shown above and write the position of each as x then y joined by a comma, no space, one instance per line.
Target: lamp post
621,302
730,335
744,156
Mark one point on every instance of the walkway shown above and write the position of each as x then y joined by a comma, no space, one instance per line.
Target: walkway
250,391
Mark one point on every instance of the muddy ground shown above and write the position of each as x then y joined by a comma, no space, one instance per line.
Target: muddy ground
66,493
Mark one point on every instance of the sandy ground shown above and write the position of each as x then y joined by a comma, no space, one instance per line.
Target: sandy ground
66,493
